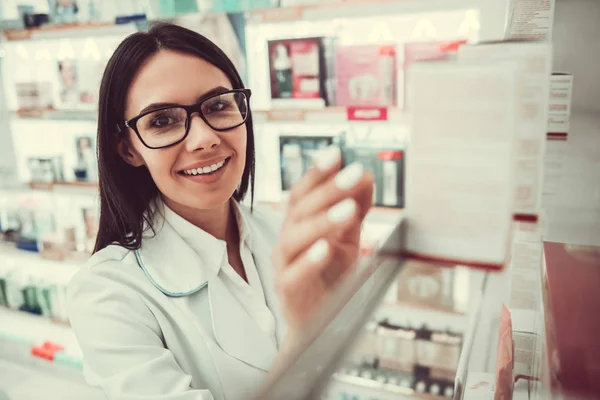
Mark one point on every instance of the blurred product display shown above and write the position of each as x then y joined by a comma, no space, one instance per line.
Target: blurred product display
443,102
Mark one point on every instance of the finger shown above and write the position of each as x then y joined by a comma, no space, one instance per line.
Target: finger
326,162
364,197
298,290
320,267
296,238
352,181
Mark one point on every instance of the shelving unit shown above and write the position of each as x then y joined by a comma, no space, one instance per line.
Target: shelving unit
92,29
572,209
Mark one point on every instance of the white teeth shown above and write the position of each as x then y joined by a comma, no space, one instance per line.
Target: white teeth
204,170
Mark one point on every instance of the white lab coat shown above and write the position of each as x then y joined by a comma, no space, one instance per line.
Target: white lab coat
160,325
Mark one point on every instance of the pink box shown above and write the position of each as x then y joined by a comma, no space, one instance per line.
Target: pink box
366,75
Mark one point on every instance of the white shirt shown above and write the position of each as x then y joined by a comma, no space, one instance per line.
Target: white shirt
250,295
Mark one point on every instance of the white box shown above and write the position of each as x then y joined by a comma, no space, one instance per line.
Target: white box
559,105
534,60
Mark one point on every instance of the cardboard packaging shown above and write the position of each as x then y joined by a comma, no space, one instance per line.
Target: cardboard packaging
34,96
387,167
559,106
504,358
366,75
296,154
297,69
571,278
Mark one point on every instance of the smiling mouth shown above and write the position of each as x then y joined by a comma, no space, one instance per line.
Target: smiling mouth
205,170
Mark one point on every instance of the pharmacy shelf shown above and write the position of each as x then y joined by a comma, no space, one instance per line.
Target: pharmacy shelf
33,260
372,389
92,29
78,187
419,314
360,9
371,114
331,115
27,328
39,379
24,376
56,115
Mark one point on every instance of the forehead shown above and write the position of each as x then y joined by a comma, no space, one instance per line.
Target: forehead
170,77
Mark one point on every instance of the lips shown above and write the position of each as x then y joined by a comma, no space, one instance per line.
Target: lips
204,170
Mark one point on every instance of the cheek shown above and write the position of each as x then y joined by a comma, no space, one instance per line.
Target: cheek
238,143
159,163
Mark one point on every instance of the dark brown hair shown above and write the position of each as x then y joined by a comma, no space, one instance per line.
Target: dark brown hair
126,191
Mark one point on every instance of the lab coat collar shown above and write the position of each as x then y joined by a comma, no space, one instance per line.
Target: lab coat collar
176,255
181,259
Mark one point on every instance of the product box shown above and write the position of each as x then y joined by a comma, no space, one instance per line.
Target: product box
571,278
46,169
366,75
421,52
438,350
454,173
33,96
479,386
296,154
79,82
387,167
533,61
297,70
530,20
396,347
86,167
171,8
233,6
426,285
64,11
385,163
504,358
559,106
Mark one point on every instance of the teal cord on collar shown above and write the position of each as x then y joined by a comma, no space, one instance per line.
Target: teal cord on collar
156,285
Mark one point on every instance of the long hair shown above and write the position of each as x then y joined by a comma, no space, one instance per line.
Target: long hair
126,191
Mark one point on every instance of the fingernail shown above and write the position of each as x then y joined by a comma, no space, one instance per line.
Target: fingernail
349,176
318,251
326,158
342,211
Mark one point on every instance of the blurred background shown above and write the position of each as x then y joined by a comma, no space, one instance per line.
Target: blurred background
324,72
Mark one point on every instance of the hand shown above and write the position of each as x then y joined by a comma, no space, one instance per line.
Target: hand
320,239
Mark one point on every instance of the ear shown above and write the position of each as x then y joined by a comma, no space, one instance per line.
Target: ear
129,154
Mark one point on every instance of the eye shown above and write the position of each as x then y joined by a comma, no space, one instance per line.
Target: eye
217,106
162,121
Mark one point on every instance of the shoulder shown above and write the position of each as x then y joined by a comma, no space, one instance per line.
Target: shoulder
109,294
112,272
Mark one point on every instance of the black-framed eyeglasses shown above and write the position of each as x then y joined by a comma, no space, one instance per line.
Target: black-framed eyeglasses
169,125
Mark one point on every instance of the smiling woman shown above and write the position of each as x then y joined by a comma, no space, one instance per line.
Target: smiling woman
189,294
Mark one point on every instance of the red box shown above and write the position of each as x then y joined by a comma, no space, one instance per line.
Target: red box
572,312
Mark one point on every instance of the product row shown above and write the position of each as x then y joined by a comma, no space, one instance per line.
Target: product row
51,169
404,348
348,382
39,225
304,73
56,12
60,12
33,286
385,161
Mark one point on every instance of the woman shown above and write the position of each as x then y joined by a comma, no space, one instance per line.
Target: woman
191,295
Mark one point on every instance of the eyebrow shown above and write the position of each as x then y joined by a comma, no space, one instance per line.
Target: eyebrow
212,92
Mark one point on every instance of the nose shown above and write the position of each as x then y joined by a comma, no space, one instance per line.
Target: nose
201,136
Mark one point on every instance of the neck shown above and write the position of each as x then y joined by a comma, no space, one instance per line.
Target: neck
216,222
